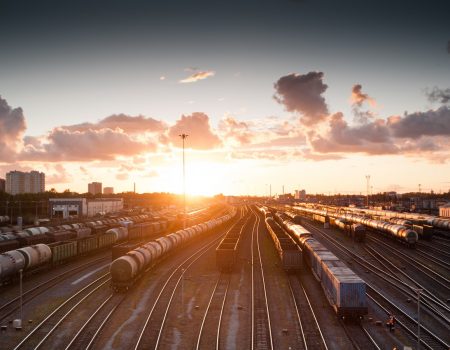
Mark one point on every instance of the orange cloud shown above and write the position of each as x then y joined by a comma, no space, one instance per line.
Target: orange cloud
197,127
358,97
198,76
64,145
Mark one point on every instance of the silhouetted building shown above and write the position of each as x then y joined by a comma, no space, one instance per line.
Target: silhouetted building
82,207
2,185
300,194
22,182
108,190
95,188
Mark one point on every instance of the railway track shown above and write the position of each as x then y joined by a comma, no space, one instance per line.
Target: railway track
311,333
261,326
375,293
152,330
356,332
37,337
416,263
427,338
11,307
436,307
91,328
428,276
209,333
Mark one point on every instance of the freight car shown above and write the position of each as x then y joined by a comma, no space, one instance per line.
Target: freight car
345,291
356,231
424,231
288,251
128,268
398,232
26,258
227,250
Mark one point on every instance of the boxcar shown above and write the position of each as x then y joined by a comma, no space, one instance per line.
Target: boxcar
344,289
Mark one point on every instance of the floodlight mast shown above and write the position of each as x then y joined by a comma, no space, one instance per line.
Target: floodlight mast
183,137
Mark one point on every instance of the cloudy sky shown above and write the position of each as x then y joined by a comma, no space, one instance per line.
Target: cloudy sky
301,93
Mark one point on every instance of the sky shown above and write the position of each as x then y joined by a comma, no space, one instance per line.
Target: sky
303,94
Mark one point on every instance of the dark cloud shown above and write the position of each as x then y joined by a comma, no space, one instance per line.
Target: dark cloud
357,99
430,123
438,95
370,138
303,94
64,145
12,127
197,127
129,124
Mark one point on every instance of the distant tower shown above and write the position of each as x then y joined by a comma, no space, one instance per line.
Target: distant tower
368,189
134,187
420,188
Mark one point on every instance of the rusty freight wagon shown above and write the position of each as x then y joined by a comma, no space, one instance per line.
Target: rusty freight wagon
288,251
227,250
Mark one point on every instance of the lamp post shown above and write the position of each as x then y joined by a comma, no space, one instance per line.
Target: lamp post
21,296
183,137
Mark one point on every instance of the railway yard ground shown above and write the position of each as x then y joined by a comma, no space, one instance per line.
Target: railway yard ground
185,302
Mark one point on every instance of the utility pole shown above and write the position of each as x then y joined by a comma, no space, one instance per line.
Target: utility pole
183,137
368,189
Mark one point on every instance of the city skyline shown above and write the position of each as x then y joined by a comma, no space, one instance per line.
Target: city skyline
300,94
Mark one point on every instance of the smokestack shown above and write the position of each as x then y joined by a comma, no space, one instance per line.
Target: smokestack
134,187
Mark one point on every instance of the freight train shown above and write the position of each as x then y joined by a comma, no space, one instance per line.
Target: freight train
57,252
398,232
442,224
50,234
126,269
345,291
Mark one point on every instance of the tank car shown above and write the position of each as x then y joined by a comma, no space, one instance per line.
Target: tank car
11,263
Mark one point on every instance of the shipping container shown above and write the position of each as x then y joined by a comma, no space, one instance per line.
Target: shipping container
345,290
